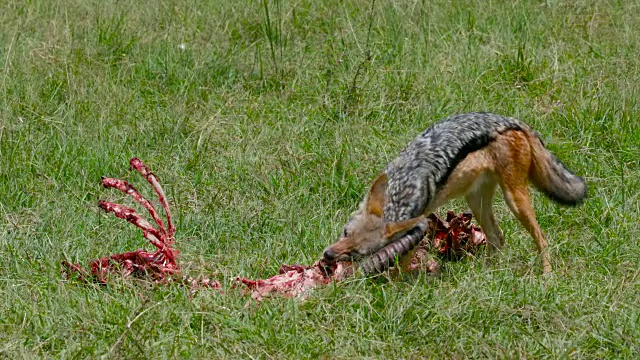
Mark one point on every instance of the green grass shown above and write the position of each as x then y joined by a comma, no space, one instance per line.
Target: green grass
265,121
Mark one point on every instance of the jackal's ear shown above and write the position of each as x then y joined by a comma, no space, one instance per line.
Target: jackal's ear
375,199
393,231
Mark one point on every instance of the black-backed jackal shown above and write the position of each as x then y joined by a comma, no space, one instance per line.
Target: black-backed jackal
465,155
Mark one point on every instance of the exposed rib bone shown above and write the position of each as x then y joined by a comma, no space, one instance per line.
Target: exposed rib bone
128,189
148,231
139,166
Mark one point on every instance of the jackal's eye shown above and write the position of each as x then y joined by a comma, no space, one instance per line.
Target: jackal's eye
345,232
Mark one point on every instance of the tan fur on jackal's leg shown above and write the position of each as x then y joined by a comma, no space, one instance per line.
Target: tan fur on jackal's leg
519,202
480,200
513,177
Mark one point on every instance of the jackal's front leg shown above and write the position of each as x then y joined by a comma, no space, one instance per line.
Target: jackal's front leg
481,203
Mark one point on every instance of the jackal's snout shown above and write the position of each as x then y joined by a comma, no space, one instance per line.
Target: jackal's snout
329,254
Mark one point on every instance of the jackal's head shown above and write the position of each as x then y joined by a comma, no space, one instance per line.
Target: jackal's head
366,232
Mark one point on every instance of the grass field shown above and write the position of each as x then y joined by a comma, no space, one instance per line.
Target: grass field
266,121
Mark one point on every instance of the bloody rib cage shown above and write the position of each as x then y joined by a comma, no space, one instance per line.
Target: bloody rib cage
451,238
159,265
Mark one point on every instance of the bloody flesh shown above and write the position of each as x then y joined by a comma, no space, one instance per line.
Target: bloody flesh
159,265
451,238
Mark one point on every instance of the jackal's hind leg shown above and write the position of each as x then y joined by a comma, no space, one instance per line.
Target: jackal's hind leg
519,202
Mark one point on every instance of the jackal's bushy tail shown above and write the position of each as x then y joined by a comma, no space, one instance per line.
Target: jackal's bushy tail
550,176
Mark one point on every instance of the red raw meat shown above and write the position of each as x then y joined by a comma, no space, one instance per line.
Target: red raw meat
296,280
455,237
451,239
160,265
